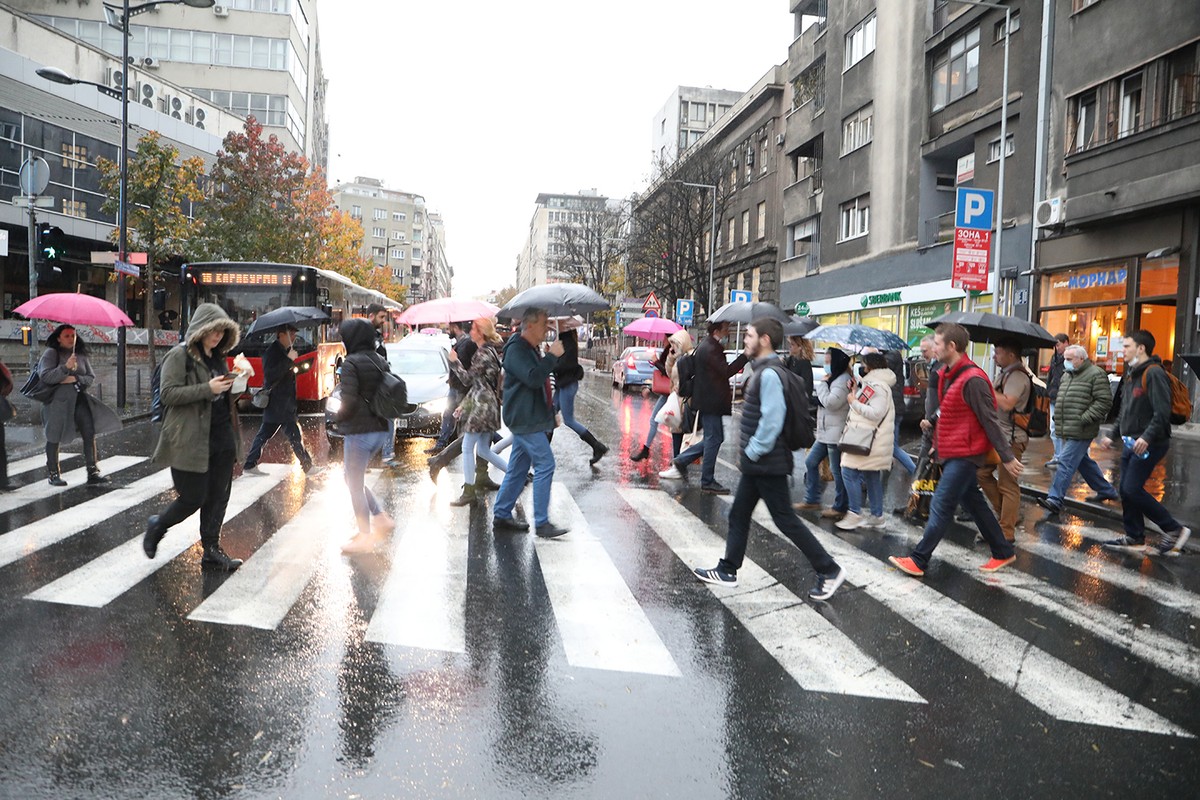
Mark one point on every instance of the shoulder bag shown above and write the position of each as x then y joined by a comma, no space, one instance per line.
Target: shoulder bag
857,440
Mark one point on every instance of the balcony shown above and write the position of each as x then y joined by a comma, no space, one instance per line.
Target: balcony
938,230
802,199
810,44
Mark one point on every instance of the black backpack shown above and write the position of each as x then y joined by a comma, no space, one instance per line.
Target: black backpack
799,427
686,366
390,399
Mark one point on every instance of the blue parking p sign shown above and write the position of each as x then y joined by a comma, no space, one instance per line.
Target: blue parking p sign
740,296
973,209
683,311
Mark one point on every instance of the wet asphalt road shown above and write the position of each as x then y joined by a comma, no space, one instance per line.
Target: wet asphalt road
464,664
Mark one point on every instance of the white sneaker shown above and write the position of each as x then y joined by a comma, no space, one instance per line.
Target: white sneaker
872,521
671,473
850,521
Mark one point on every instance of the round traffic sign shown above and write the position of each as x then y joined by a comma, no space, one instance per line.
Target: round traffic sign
34,176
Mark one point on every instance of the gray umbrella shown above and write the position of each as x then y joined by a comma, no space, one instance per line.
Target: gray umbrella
800,326
289,316
984,326
558,300
748,312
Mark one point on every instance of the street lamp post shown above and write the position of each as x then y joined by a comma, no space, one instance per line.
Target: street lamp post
712,239
118,17
1003,148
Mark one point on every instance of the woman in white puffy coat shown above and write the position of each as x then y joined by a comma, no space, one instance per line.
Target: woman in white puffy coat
871,407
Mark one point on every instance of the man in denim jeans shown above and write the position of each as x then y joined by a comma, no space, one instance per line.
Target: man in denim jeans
1084,400
713,401
967,432
1144,425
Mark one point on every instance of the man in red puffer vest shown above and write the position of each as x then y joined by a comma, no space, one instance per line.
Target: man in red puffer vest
967,433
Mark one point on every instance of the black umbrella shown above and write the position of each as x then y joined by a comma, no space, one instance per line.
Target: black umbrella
800,326
748,312
289,316
557,299
984,326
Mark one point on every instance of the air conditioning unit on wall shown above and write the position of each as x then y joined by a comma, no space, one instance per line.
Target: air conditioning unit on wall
1050,212
221,11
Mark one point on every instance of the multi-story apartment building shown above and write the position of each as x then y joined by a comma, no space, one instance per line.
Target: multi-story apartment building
892,107
439,270
546,243
259,57
395,231
688,113
72,127
1119,217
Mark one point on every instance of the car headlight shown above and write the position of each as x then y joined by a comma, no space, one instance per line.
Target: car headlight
333,404
435,406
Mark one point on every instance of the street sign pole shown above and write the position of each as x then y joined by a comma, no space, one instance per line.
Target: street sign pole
33,178
32,274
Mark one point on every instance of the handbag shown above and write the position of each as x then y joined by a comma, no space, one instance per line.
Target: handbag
694,437
857,440
260,397
35,389
924,486
660,383
826,471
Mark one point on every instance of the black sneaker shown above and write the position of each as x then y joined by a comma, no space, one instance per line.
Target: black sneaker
1049,505
826,585
508,524
548,530
155,531
94,477
1125,543
716,575
1171,544
1100,499
714,488
215,558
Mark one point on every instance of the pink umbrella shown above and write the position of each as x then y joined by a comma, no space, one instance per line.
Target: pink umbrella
653,328
430,331
446,310
74,309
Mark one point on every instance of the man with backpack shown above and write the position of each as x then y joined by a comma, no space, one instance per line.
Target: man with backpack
766,463
1013,388
1144,426
713,400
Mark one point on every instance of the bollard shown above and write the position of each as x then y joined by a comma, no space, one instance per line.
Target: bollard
138,390
100,391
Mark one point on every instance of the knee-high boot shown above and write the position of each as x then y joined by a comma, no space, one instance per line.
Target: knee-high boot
598,450
52,465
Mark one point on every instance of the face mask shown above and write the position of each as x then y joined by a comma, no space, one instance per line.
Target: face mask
1069,366
825,369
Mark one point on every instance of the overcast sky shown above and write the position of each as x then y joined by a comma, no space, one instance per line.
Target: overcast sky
481,106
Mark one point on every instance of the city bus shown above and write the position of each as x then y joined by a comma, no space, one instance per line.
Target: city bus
245,290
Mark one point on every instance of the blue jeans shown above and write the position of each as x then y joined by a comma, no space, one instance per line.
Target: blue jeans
357,450
479,444
658,406
714,437
1136,502
528,449
1074,456
1058,443
958,485
773,491
389,447
854,480
564,401
898,452
812,475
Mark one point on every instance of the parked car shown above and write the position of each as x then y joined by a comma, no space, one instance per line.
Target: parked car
916,383
738,380
422,363
635,367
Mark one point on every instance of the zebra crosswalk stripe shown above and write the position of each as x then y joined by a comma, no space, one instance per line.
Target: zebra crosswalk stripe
102,580
601,623
1052,685
76,477
36,462
268,584
815,653
28,539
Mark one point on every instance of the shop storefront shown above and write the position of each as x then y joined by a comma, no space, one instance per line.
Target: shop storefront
905,312
1096,304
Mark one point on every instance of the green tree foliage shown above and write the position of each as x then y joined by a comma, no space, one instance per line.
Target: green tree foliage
161,191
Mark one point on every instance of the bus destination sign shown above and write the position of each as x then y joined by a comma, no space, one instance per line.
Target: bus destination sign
246,278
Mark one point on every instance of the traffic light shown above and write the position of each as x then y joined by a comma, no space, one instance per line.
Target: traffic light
50,245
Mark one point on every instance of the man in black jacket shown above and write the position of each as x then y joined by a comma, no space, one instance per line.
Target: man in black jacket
279,379
712,399
1058,365
1144,428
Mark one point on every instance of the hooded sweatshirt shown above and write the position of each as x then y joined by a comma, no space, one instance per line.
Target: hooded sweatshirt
362,371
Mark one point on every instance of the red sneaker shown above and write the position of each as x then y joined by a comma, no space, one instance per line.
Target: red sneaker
907,565
997,563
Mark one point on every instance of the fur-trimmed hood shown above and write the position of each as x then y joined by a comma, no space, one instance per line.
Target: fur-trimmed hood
207,318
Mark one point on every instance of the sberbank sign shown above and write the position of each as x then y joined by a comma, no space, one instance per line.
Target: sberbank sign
882,299
802,309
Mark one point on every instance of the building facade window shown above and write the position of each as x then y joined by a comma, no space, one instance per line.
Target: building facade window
378,233
802,239
956,70
398,216
356,212
746,227
761,229
1080,5
1130,120
858,129
1014,26
379,213
994,148
398,236
729,240
855,218
398,253
376,252
75,208
860,41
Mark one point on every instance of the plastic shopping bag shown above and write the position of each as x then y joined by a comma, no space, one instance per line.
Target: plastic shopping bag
671,413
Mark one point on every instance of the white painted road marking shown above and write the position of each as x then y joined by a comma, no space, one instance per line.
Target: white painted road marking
1048,683
102,580
75,478
37,462
818,656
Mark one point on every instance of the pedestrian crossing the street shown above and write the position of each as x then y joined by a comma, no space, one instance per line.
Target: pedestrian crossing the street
600,621
76,477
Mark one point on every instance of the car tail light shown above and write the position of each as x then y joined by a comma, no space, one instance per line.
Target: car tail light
631,362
